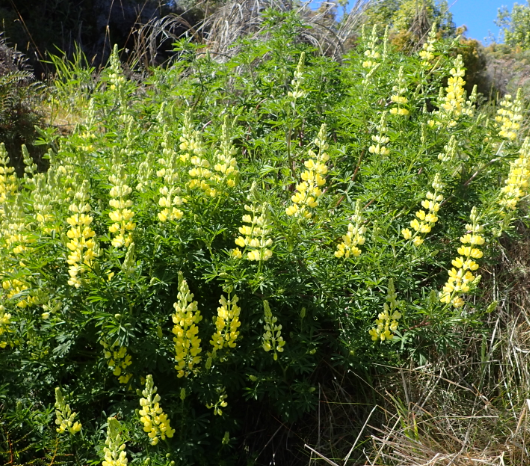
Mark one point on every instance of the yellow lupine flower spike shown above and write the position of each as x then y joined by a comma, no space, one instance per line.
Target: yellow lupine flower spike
226,323
5,319
220,403
426,219
83,249
121,215
460,276
65,417
118,360
254,236
8,179
187,341
371,53
509,116
272,339
200,173
387,321
310,188
298,79
381,139
428,49
156,424
517,182
170,200
114,448
452,105
399,89
226,166
355,236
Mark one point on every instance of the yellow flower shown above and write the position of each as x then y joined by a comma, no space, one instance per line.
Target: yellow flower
65,418
219,404
428,219
185,319
82,247
460,277
428,49
308,191
226,324
517,182
453,104
156,424
509,116
114,448
387,321
272,339
256,240
118,360
122,215
354,237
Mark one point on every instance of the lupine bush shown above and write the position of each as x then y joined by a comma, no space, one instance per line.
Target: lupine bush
212,240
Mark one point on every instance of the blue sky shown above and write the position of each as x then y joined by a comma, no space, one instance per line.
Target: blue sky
477,15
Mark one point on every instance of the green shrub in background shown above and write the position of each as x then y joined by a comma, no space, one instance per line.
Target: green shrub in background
210,242
20,96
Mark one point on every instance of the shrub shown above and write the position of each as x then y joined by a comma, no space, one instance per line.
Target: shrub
19,98
213,242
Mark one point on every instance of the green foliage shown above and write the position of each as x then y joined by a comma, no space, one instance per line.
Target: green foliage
411,16
231,230
515,25
19,99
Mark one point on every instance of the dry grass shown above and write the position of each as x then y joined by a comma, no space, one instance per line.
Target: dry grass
469,407
222,28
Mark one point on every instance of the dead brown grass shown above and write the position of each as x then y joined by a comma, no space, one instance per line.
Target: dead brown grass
469,407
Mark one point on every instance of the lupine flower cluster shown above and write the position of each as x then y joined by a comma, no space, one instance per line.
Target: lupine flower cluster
426,219
43,202
219,404
114,450
298,79
255,236
372,54
509,116
226,323
355,236
115,76
387,321
8,178
460,276
309,190
449,150
118,360
155,422
121,215
170,200
453,104
381,139
14,288
517,182
14,227
5,319
226,166
187,341
65,418
399,89
81,245
200,173
428,49
272,339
